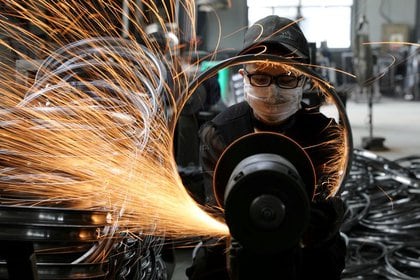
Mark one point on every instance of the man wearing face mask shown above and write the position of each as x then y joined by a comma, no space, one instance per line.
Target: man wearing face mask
273,93
273,102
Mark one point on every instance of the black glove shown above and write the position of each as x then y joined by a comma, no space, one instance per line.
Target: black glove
209,261
326,217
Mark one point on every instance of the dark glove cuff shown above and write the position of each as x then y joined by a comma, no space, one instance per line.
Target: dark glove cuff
325,222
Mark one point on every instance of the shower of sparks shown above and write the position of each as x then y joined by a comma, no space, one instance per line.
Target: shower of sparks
94,129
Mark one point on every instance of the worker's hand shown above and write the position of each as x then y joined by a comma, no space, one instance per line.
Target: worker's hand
326,217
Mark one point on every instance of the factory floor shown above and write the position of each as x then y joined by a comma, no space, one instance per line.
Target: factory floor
397,121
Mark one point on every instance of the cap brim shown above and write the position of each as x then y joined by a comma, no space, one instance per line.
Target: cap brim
276,48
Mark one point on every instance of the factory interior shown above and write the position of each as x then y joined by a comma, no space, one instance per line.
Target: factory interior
101,105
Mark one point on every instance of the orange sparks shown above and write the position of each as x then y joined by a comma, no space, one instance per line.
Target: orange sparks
94,129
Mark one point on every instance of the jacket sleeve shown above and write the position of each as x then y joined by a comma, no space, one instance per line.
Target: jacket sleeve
323,140
326,261
324,253
211,147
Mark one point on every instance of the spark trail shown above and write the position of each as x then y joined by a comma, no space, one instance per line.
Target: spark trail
94,129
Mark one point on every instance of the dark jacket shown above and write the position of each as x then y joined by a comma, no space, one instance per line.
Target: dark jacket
317,134
312,130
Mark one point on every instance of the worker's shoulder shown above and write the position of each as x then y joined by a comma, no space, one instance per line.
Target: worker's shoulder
312,117
311,112
230,124
232,114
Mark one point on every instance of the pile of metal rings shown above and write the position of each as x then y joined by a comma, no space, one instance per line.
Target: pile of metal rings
45,239
52,243
382,223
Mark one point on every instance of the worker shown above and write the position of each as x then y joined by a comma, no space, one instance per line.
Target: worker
273,102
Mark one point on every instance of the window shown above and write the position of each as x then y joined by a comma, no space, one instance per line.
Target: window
321,20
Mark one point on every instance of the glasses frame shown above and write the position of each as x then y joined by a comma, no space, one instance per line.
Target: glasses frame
273,78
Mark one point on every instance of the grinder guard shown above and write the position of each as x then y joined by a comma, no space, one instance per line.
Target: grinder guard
265,181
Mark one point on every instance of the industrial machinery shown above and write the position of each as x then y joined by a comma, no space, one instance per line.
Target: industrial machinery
363,59
51,243
264,182
264,217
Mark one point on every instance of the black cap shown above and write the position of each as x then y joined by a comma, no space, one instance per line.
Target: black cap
281,36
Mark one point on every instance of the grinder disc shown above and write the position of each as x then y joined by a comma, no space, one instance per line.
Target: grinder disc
257,143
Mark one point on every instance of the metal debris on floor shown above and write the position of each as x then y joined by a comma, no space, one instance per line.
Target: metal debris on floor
382,222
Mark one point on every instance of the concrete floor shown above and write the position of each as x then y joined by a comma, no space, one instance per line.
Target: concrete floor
395,120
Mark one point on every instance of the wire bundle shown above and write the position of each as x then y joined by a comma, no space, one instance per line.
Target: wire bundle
382,224
82,77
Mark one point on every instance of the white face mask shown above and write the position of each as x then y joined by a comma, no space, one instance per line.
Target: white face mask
273,104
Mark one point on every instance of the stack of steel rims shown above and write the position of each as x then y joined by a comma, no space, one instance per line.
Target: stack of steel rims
52,237
382,223
56,243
